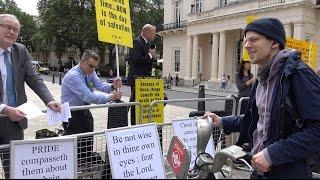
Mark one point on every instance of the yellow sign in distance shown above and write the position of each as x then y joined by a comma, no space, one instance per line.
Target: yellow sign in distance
149,89
308,50
114,22
245,55
250,19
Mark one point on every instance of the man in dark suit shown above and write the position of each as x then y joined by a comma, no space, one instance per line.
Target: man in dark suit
16,69
142,56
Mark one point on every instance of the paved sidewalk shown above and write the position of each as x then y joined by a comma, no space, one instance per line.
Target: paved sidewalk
100,115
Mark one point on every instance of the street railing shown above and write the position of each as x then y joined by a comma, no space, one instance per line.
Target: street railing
75,108
226,140
241,100
152,104
92,156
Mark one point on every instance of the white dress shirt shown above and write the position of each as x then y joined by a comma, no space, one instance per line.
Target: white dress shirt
3,70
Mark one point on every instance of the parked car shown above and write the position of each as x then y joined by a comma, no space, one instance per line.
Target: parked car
40,67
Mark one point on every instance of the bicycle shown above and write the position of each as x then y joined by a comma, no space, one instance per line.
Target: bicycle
224,161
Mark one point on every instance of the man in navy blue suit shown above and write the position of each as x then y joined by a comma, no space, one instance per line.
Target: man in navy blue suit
142,56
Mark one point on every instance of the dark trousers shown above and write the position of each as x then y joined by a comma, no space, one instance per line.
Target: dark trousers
81,122
9,130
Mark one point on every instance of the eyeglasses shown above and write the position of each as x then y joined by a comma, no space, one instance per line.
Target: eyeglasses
253,39
92,66
9,28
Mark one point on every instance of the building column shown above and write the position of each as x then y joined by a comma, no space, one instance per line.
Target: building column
288,29
188,57
222,54
195,56
298,31
215,57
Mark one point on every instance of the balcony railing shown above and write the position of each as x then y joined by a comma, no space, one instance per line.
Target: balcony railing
176,25
242,6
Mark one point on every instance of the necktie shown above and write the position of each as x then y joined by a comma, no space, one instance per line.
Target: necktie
89,85
11,93
86,78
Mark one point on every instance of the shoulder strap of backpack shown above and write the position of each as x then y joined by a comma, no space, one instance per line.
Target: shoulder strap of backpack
291,105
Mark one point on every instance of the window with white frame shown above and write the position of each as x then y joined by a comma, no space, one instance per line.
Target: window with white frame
198,5
177,60
239,48
223,3
177,12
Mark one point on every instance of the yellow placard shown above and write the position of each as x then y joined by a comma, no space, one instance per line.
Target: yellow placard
245,55
149,89
113,22
250,19
308,50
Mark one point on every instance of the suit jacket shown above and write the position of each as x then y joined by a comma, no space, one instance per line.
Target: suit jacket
140,62
23,71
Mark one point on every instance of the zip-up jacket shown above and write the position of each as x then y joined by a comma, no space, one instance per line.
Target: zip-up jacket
294,131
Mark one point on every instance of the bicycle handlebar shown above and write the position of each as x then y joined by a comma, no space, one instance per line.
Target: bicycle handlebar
205,163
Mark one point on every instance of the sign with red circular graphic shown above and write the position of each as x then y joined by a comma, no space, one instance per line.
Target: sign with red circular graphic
179,157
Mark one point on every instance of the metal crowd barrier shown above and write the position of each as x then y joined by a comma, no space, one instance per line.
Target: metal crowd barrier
90,161
5,156
74,108
92,157
226,140
240,104
152,104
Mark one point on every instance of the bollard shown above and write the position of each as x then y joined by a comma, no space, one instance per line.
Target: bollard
52,77
201,104
59,78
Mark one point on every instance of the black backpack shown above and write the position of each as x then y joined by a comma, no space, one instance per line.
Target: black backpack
313,161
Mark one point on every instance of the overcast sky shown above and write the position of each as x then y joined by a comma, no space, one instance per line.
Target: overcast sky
28,6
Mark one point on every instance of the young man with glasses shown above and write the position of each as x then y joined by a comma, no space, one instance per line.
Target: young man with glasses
77,89
282,122
16,69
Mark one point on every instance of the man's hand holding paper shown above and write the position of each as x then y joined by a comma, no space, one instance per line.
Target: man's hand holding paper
55,117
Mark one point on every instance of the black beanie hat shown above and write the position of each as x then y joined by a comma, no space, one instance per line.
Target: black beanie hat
269,27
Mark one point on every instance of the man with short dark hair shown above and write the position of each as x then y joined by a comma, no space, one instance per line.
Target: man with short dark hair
77,89
282,122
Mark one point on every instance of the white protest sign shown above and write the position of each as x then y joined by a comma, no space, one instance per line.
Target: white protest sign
53,158
134,152
187,130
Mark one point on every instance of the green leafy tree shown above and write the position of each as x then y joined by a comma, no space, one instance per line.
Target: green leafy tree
147,11
72,24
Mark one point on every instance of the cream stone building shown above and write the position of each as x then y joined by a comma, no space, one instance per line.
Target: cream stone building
202,39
